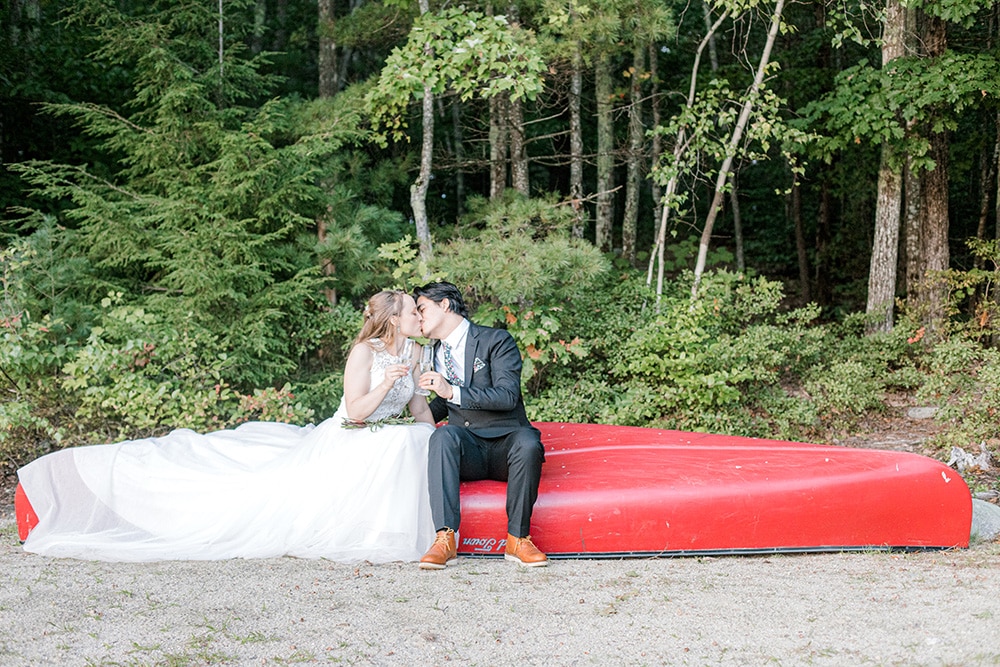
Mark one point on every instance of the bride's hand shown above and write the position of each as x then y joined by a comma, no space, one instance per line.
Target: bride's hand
393,373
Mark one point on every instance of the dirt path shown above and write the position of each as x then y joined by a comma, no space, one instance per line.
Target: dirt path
934,608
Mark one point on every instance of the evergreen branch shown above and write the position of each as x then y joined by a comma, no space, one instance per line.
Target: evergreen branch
377,423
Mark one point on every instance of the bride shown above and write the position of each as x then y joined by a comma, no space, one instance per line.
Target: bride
352,488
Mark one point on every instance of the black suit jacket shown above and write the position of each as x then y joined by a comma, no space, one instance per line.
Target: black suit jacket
492,405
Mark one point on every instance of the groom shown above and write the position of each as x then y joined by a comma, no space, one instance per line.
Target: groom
478,385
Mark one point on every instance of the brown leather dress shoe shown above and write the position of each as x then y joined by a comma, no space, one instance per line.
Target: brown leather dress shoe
522,551
442,553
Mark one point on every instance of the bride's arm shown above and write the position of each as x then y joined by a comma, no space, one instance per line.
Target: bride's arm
360,398
421,409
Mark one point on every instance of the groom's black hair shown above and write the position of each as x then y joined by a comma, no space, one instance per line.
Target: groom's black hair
438,292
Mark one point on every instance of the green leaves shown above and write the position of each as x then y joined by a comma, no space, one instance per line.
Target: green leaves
455,51
877,105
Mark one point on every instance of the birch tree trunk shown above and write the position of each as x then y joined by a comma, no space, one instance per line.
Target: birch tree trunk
885,250
605,156
734,199
418,191
734,142
633,181
656,257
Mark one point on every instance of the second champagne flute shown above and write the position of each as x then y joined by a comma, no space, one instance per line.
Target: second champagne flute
426,364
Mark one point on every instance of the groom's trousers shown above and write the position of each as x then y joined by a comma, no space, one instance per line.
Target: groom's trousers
457,454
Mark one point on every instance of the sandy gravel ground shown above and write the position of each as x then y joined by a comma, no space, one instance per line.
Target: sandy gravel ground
931,608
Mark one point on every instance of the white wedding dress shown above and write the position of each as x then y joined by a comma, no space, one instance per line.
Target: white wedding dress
261,490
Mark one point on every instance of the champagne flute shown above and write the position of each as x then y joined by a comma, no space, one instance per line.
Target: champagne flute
426,364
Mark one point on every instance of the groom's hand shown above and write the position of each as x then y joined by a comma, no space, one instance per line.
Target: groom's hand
434,381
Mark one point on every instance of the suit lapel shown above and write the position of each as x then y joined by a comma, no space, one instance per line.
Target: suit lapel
471,352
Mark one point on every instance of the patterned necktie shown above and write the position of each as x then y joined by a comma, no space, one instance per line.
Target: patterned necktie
449,367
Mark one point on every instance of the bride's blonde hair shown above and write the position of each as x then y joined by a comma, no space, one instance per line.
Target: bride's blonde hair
379,311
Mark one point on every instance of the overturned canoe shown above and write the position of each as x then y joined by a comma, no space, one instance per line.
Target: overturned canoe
616,491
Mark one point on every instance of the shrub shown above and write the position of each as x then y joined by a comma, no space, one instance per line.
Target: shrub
138,375
963,381
700,363
274,405
846,389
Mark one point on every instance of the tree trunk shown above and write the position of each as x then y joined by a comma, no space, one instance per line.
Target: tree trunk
518,150
713,59
605,152
996,198
327,61
934,201
260,24
734,142
911,225
800,240
576,144
987,176
656,257
656,148
734,201
280,26
418,191
630,220
456,123
824,223
519,177
885,250
498,146
934,231
326,266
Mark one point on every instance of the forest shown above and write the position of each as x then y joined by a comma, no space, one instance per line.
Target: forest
745,216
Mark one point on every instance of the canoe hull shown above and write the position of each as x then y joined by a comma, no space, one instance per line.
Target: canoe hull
623,491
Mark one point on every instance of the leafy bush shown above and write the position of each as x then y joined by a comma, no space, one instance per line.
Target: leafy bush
963,381
274,405
140,375
846,388
699,361
583,399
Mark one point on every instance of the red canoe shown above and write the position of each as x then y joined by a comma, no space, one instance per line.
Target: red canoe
616,491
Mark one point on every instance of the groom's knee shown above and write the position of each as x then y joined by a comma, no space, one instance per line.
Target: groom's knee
526,448
445,440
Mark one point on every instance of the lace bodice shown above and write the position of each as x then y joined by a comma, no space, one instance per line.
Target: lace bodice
401,391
